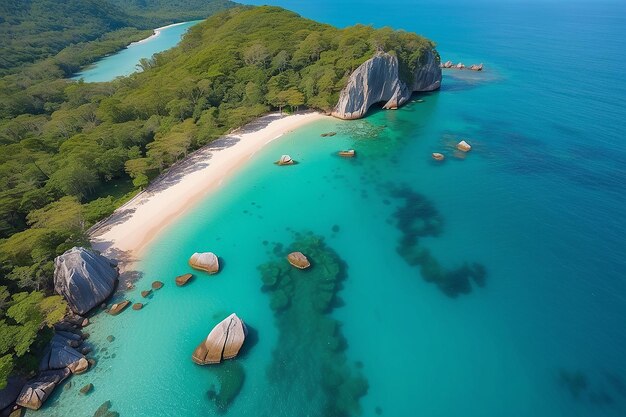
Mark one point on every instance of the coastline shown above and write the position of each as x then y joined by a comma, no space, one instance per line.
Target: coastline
155,34
125,234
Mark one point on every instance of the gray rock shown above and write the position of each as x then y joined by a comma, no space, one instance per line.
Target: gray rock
9,394
378,80
83,278
37,390
59,354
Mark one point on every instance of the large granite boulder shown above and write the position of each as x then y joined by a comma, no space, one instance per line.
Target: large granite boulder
206,261
84,278
59,354
378,80
223,342
37,390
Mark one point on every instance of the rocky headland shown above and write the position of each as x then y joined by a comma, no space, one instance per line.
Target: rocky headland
378,80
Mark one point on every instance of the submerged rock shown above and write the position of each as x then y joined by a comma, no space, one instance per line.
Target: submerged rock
157,285
183,279
230,376
223,342
37,390
84,278
137,306
378,80
298,260
438,156
146,293
105,411
206,261
86,389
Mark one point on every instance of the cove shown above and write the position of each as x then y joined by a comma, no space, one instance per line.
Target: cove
125,61
538,202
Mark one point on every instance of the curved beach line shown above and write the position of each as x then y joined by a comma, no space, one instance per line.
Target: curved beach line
126,233
155,34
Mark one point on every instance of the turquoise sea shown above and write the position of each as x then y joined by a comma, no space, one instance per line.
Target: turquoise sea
539,203
125,61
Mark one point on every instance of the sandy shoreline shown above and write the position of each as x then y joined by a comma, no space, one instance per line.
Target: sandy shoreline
125,234
155,33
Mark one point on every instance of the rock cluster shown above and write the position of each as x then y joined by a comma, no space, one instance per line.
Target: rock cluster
378,80
460,65
84,278
223,342
61,359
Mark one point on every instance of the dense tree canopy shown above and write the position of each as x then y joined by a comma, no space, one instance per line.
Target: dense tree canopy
31,30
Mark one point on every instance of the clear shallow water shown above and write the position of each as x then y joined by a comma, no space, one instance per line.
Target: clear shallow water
125,61
539,202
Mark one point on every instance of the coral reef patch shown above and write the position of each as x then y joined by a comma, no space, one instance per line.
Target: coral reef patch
309,372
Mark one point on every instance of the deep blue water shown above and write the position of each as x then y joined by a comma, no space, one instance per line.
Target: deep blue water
540,202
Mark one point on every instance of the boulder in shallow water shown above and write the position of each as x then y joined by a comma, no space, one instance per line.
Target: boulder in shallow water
157,285
146,293
223,342
37,390
438,156
117,308
137,306
183,279
206,261
285,160
475,67
84,278
298,260
350,153
463,146
79,367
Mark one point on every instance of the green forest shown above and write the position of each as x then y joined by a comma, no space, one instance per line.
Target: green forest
32,30
71,152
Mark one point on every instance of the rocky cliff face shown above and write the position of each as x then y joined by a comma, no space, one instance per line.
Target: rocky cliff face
378,80
83,278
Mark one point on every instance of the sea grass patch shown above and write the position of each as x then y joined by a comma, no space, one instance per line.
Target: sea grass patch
416,218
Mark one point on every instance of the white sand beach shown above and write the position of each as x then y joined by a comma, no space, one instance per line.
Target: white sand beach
155,34
124,234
